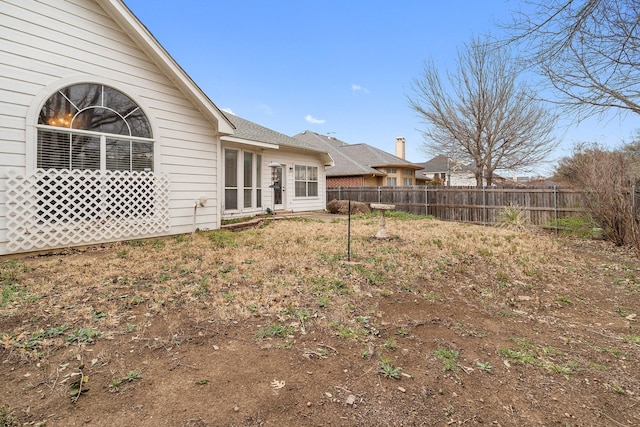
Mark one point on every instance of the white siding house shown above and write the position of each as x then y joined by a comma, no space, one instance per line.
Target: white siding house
446,172
103,137
296,180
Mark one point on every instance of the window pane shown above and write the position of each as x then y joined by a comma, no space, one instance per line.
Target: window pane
313,189
53,150
142,156
301,189
258,180
139,124
301,172
247,198
118,155
313,173
57,111
258,171
85,152
231,199
230,168
101,120
84,95
118,102
248,170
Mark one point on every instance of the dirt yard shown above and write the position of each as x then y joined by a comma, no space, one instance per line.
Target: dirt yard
443,324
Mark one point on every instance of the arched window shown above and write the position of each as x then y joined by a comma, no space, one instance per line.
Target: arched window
91,126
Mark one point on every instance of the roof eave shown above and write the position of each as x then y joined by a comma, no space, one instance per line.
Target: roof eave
243,141
397,165
326,158
361,173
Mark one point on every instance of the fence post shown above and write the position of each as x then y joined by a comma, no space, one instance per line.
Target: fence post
484,205
426,200
379,194
633,211
555,208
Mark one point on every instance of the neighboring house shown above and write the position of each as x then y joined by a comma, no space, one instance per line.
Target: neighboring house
103,137
361,165
441,170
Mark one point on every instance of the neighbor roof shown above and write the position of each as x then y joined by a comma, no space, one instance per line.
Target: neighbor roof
353,159
441,164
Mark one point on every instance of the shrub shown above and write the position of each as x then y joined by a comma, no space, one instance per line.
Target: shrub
513,217
576,226
610,201
342,207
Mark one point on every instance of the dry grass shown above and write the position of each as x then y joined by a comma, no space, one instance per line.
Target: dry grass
292,269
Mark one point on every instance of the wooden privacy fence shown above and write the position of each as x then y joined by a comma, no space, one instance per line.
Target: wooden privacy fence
543,206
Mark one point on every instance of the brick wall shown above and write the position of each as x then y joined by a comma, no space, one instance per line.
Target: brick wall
345,181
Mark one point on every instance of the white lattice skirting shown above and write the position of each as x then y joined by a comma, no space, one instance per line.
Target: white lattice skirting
59,208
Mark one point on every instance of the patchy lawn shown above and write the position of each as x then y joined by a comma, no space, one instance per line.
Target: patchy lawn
444,324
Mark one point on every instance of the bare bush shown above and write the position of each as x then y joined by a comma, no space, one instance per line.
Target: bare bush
609,180
342,207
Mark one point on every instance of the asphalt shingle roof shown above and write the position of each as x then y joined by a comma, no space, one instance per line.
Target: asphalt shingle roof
353,159
248,130
440,164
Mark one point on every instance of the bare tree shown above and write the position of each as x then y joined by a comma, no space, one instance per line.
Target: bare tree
483,114
588,50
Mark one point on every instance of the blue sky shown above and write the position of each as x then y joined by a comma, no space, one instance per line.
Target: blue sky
337,67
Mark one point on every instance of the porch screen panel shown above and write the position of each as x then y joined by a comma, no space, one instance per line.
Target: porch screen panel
258,181
231,179
248,179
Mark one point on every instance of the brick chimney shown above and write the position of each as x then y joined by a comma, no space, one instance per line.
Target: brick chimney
400,146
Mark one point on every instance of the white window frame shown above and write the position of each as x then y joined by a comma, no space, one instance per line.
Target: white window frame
102,147
306,180
65,126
